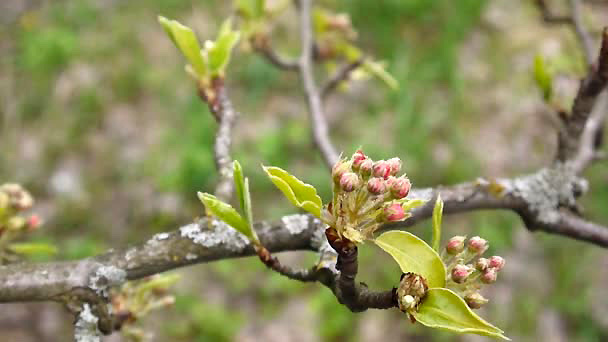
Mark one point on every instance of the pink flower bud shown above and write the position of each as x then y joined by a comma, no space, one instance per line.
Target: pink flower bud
365,168
394,212
349,181
455,245
357,159
481,264
376,186
477,245
381,169
475,300
395,165
33,222
400,187
340,168
460,273
496,262
489,276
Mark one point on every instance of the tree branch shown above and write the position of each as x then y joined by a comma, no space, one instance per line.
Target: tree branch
341,75
584,102
225,115
261,44
319,124
582,34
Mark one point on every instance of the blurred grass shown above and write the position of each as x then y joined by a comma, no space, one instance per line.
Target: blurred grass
79,60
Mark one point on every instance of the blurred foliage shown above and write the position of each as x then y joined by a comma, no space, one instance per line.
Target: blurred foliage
109,135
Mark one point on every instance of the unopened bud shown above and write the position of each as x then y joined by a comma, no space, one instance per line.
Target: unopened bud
365,168
357,159
477,245
33,222
496,262
460,273
481,264
15,223
381,169
400,188
475,300
376,186
341,167
411,290
394,212
349,181
489,276
455,245
394,165
4,200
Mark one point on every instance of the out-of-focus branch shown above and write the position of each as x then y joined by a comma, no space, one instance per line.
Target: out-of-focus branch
317,117
342,74
581,32
225,115
549,17
261,44
570,138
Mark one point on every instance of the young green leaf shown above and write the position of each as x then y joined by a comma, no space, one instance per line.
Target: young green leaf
33,248
409,204
185,40
300,194
437,214
543,77
443,309
250,9
219,54
378,69
226,213
242,189
413,255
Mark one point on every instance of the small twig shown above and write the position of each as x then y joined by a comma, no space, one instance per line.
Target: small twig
589,144
341,75
549,17
590,88
583,36
357,297
319,124
225,115
261,44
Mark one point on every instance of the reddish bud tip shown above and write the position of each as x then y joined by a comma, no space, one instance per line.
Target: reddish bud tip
365,168
349,181
340,168
460,273
357,159
33,222
455,245
475,300
496,262
394,165
381,169
481,264
477,245
489,276
400,187
376,186
394,212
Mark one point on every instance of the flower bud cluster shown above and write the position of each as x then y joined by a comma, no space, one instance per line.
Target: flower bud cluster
367,193
14,200
467,271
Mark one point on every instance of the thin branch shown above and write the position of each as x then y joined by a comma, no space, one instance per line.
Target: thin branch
263,47
225,115
583,36
584,102
549,17
589,144
319,124
343,74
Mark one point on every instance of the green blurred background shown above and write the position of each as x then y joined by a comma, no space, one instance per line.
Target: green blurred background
100,122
